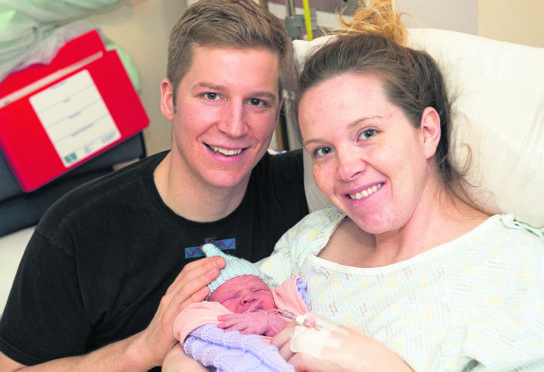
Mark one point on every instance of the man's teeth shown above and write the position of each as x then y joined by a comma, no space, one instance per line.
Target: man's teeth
367,192
225,152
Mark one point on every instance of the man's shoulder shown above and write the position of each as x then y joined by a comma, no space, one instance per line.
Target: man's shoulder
278,174
280,165
283,156
94,196
119,178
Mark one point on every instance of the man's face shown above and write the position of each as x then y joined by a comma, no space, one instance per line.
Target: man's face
245,293
225,114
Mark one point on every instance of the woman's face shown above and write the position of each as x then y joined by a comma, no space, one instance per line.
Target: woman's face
368,159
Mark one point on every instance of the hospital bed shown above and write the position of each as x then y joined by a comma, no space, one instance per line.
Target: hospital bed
498,114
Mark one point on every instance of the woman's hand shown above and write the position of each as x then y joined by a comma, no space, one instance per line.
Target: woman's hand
335,348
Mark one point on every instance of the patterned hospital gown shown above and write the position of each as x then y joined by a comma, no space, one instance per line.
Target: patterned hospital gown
472,304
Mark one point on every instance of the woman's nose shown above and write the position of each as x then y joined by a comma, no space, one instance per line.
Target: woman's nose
350,163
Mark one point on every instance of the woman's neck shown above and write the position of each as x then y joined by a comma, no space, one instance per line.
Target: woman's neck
440,217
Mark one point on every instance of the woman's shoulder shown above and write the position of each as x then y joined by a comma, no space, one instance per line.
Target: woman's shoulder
312,233
307,237
317,226
506,229
505,239
515,226
321,218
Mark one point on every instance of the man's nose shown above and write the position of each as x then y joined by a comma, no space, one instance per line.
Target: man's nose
233,121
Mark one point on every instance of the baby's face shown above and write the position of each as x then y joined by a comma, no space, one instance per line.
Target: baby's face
244,293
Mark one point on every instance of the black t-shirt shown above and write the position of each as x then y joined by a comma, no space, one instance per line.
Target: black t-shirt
102,257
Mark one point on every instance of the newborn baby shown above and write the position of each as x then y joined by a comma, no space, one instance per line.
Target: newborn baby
253,306
231,331
240,300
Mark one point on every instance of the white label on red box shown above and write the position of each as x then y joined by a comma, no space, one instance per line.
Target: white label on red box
75,118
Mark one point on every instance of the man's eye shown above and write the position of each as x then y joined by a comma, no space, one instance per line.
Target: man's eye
322,151
211,96
257,102
367,133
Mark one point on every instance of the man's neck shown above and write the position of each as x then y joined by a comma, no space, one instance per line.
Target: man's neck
192,198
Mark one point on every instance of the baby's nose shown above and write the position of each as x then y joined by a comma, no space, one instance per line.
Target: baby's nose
248,298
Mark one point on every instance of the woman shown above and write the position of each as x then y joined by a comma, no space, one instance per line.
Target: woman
430,281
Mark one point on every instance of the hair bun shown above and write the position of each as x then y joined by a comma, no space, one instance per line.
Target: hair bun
378,17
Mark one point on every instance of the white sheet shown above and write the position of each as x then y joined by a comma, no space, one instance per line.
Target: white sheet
12,247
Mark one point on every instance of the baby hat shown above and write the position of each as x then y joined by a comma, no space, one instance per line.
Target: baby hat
234,267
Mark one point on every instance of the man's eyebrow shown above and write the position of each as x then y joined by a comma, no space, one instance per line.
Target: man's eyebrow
259,94
208,85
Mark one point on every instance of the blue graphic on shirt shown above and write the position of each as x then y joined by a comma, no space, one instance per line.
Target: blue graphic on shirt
195,252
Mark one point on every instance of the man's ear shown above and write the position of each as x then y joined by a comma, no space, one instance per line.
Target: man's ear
430,131
167,99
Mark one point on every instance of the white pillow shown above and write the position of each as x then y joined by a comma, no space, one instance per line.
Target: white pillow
498,112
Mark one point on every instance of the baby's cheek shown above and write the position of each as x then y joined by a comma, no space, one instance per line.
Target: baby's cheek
232,306
269,304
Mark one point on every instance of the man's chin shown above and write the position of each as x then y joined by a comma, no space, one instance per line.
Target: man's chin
229,179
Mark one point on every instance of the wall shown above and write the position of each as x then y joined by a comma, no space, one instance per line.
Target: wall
460,15
142,27
514,21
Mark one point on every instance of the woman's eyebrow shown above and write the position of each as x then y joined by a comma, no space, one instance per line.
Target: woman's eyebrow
350,125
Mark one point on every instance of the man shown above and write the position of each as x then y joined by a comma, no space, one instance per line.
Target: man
100,284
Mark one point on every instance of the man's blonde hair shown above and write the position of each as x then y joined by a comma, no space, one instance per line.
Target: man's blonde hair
241,24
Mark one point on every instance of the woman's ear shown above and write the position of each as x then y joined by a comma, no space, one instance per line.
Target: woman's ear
430,131
168,108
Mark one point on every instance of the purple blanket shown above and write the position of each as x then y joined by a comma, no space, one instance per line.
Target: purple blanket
233,351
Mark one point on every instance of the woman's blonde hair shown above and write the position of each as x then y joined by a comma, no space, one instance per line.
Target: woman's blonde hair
380,18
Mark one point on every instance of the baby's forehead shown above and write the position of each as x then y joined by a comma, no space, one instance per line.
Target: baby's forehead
236,285
245,280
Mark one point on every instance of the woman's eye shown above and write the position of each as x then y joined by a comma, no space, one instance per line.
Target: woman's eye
367,133
322,151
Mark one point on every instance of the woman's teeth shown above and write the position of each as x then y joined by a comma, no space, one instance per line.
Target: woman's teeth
365,193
